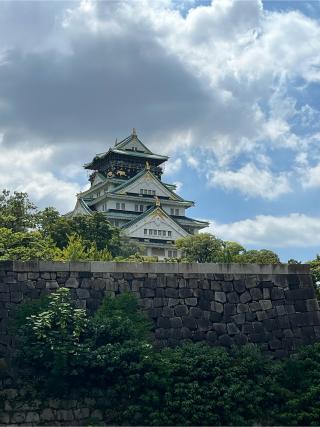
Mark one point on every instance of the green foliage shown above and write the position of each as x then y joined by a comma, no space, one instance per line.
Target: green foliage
93,228
25,245
51,337
263,256
205,247
16,211
299,389
66,350
202,247
76,250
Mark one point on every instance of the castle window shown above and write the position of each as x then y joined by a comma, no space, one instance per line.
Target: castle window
117,205
153,193
141,208
171,211
169,233
141,190
136,208
150,232
177,212
145,231
164,233
123,206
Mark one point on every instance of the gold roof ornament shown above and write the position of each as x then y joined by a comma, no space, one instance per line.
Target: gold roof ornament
157,201
147,166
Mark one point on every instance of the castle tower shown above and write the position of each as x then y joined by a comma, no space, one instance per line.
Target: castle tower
126,186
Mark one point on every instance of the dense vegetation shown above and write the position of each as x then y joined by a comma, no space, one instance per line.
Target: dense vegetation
64,351
27,233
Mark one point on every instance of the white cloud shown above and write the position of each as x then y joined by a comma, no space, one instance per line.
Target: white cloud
310,176
29,170
173,166
267,231
251,181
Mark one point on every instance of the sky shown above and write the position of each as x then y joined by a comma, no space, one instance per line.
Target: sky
230,90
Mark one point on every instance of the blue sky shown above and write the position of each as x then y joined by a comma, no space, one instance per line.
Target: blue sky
228,89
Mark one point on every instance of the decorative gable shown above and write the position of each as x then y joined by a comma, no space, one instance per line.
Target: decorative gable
147,183
133,143
155,225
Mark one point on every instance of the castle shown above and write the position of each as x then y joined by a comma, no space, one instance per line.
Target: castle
126,186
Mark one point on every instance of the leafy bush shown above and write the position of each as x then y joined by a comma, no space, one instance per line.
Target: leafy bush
64,350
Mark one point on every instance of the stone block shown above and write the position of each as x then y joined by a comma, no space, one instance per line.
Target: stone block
256,294
171,293
191,301
275,344
81,413
172,302
181,310
216,286
195,312
203,324
219,328
161,302
185,332
172,281
303,293
251,281
164,323
265,284
96,414
189,322
277,293
242,308
266,304
82,293
283,322
176,322
281,310
64,415
312,304
52,284
212,337
245,297
227,287
167,311
147,293
220,297
47,415
185,293
261,315
204,303
72,282
217,306
239,285
233,297
239,319
225,340
16,297
232,329
300,305
18,418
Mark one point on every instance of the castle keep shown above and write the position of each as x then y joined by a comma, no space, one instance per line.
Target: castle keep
126,186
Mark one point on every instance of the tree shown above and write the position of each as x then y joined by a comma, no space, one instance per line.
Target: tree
263,256
231,250
76,250
25,245
202,247
17,212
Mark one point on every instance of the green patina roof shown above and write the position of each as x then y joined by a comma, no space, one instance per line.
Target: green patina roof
139,175
119,148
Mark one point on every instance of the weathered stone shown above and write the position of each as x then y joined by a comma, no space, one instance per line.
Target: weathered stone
176,322
172,293
281,310
181,310
245,297
227,287
203,324
217,306
167,311
96,415
265,304
52,284
219,328
46,415
32,417
277,293
18,417
64,415
233,297
232,329
195,312
255,306
239,319
147,292
185,292
312,305
225,340
242,308
164,322
220,297
191,301
72,282
256,294
239,285
189,322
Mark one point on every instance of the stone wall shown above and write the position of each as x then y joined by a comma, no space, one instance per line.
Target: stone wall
224,304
